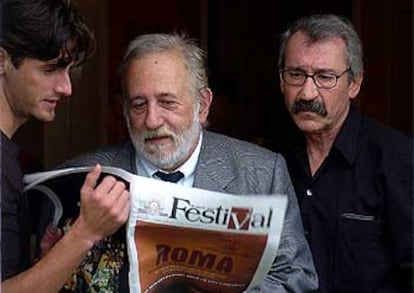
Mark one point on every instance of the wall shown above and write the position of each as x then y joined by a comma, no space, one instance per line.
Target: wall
386,28
241,37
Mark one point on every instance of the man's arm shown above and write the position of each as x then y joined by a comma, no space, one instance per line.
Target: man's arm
104,208
292,269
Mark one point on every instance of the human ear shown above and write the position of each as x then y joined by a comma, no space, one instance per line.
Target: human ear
355,86
206,97
3,60
282,85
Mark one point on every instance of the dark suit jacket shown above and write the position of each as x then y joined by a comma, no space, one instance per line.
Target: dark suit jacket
233,166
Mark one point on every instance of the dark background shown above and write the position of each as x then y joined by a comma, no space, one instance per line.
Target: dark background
241,38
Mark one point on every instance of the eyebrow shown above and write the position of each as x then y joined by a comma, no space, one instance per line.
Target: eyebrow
166,95
330,70
157,96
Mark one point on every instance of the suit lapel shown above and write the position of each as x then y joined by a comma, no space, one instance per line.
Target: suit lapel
125,158
213,170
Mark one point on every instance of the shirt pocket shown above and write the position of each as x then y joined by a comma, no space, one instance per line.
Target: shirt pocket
361,256
358,217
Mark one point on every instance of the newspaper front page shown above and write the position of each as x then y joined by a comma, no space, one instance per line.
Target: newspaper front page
186,239
198,240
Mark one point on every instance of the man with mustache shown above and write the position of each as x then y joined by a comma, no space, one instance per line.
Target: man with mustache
40,41
353,177
166,103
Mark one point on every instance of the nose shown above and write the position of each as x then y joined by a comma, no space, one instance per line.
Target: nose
63,84
309,90
153,118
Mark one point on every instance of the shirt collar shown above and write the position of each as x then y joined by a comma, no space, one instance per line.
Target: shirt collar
8,143
188,168
347,140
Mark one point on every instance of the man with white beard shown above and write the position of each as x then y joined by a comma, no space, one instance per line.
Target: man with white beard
166,104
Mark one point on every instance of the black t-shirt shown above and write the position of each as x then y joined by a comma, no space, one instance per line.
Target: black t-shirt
15,225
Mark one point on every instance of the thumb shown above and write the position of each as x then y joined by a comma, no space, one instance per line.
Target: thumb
92,178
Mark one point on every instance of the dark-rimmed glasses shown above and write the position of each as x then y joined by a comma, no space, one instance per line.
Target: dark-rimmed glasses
323,80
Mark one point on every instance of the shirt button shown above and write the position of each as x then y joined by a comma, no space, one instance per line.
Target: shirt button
309,192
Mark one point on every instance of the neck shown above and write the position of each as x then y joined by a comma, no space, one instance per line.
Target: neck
9,121
317,148
319,144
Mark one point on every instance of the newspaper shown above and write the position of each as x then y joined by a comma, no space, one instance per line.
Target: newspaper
190,239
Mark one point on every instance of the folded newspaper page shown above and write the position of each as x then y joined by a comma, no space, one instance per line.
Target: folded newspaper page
183,239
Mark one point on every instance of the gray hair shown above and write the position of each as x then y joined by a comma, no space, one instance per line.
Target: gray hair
193,58
320,27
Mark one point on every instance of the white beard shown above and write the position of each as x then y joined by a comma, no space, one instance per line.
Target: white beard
184,141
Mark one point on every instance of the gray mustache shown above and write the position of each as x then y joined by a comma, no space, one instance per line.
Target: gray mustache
309,106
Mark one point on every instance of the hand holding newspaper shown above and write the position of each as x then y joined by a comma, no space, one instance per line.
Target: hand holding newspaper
188,238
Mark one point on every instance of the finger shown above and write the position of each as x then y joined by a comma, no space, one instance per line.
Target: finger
113,196
121,205
123,199
92,178
125,203
106,185
117,189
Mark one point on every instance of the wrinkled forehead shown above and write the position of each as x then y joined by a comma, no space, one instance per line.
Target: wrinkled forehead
303,50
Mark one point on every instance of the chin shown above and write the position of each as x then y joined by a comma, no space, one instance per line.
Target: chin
160,159
309,126
46,117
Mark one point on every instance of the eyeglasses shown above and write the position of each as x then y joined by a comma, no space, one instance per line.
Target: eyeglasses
323,80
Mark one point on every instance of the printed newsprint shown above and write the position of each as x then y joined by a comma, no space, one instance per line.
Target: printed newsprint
189,238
